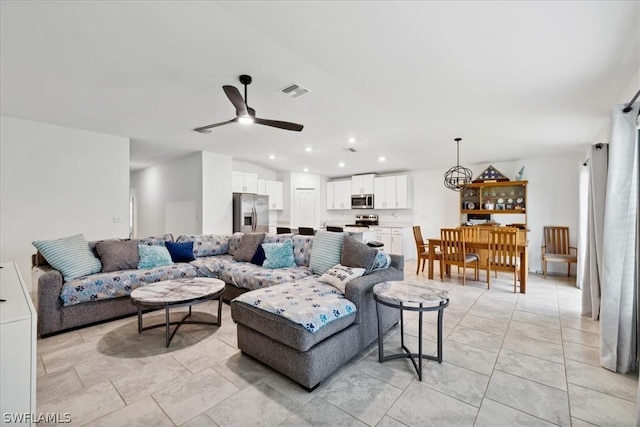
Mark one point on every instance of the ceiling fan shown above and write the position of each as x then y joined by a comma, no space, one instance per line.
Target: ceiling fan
244,113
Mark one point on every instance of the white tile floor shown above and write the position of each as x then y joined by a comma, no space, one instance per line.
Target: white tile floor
509,359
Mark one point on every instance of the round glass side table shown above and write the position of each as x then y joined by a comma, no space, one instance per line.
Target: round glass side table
408,295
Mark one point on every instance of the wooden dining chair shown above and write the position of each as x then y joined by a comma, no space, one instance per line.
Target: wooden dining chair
454,253
555,248
503,254
422,249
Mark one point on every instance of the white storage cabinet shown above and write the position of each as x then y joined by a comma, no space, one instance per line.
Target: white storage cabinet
244,182
339,195
18,321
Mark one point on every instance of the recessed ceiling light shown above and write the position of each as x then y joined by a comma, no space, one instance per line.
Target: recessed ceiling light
351,140
382,158
308,149
272,156
305,170
341,164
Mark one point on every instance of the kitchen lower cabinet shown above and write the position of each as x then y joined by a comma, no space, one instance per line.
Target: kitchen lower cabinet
393,239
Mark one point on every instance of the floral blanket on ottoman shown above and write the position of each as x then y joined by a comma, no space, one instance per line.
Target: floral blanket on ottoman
310,305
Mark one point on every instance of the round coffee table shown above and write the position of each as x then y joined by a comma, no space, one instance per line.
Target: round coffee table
410,295
177,293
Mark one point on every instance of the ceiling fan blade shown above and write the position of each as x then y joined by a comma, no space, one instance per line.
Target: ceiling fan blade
278,124
205,129
236,99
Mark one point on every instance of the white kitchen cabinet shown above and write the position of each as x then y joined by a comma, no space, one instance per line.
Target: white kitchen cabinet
18,321
392,238
391,192
262,187
275,191
339,195
362,184
244,182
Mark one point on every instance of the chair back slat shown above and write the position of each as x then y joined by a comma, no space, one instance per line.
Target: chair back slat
417,235
452,244
471,234
503,247
556,240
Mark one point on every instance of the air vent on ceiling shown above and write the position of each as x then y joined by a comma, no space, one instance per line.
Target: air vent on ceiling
350,149
294,90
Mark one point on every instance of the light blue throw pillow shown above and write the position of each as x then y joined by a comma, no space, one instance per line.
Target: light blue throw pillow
153,256
326,251
71,256
278,255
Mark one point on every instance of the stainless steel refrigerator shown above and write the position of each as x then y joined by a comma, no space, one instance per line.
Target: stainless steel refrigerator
250,213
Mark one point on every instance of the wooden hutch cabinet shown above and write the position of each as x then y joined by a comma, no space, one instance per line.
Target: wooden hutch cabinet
505,201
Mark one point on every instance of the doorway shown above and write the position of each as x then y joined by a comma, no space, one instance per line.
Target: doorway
305,207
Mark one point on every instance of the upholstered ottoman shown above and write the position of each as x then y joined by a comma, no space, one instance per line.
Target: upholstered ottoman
306,329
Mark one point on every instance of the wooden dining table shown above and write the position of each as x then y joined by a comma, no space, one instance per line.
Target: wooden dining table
480,245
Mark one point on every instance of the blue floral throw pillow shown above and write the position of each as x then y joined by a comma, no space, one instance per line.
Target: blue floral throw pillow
153,256
278,255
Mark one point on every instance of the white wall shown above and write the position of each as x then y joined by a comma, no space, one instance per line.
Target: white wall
56,182
170,197
263,173
189,195
217,201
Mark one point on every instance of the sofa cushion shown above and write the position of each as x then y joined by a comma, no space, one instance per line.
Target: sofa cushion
207,244
118,255
326,251
299,315
156,240
250,276
302,249
104,286
153,256
211,266
278,255
357,254
69,255
234,241
248,245
180,251
259,257
339,275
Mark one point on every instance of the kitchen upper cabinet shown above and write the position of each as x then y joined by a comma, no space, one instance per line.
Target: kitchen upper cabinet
244,182
262,187
275,191
339,195
362,184
391,192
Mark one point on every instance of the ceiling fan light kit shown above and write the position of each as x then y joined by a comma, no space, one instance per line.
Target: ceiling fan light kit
244,113
457,176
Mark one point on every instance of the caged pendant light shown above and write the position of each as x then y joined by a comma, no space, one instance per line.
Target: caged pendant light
457,176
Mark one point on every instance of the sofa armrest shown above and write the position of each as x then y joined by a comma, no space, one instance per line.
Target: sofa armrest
360,290
49,303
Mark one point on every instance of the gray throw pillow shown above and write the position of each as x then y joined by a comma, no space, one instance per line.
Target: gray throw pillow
357,254
117,255
248,245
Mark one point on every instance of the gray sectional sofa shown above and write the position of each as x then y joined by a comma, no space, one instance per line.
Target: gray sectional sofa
306,357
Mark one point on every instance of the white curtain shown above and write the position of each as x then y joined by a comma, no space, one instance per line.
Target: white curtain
618,314
593,184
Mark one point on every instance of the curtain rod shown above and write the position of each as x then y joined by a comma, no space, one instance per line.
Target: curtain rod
627,108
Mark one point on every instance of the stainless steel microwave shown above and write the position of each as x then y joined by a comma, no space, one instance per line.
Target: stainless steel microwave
362,201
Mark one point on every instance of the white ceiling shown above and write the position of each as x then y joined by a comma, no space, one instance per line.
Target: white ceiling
513,79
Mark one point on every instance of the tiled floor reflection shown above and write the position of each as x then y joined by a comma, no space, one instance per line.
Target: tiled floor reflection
509,360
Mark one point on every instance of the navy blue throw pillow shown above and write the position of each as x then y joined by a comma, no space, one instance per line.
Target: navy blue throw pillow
259,256
180,252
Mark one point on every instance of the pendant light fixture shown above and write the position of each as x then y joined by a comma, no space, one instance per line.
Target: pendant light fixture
458,176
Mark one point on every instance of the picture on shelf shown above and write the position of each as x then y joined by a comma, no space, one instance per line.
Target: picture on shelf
500,206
